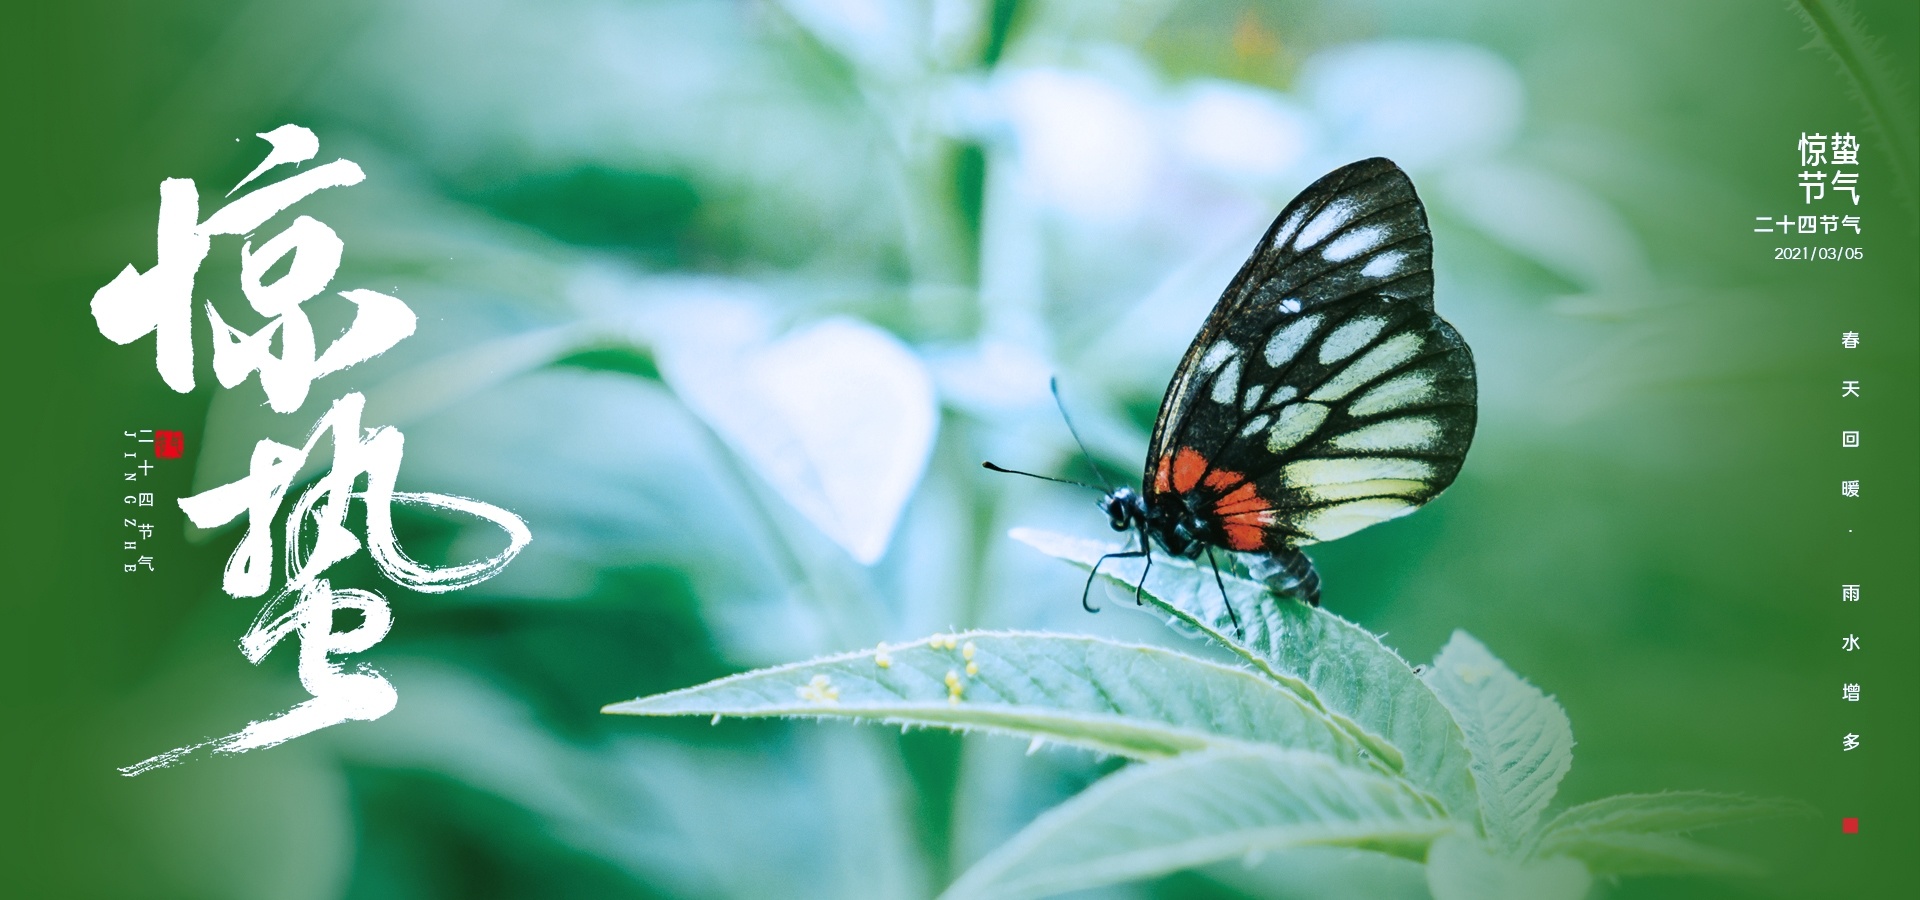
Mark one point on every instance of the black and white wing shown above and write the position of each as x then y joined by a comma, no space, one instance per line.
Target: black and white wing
1324,394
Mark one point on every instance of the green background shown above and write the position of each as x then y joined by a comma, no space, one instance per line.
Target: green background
1647,527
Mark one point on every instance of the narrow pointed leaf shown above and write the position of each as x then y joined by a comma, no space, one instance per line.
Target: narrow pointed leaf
1135,701
1839,29
1202,808
1666,813
1339,665
1627,853
1521,741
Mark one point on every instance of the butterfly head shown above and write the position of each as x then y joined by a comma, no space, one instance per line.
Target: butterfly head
1125,508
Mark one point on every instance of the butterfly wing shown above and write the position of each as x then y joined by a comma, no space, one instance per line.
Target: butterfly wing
1324,394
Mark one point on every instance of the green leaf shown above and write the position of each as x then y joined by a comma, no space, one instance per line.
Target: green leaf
1201,808
1135,701
1839,29
1460,867
1626,853
1329,661
1665,813
1521,741
667,815
1638,833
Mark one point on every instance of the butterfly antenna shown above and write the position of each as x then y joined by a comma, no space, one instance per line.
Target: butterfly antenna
994,467
1053,384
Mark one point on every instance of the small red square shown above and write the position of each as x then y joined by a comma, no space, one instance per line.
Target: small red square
169,444
1849,825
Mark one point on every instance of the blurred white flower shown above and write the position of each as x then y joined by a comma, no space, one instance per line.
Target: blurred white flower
992,376
1087,145
877,34
1239,131
1421,103
838,417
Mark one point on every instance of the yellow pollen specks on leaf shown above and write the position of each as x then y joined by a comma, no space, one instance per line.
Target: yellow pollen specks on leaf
954,686
967,651
973,668
819,690
881,658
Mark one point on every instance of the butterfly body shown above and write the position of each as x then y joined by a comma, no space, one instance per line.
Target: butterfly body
1183,526
1192,523
1322,395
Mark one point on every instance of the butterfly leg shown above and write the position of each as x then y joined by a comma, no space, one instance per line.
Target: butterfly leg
1146,550
1221,582
1088,589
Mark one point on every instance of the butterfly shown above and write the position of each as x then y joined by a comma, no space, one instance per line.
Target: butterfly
1322,395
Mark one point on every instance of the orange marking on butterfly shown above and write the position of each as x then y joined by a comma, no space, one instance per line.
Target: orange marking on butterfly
1223,480
1247,531
1243,513
1188,466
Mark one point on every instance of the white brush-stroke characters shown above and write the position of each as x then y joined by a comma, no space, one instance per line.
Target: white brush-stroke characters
159,302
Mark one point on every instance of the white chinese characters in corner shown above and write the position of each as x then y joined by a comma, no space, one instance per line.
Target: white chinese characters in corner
1818,184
